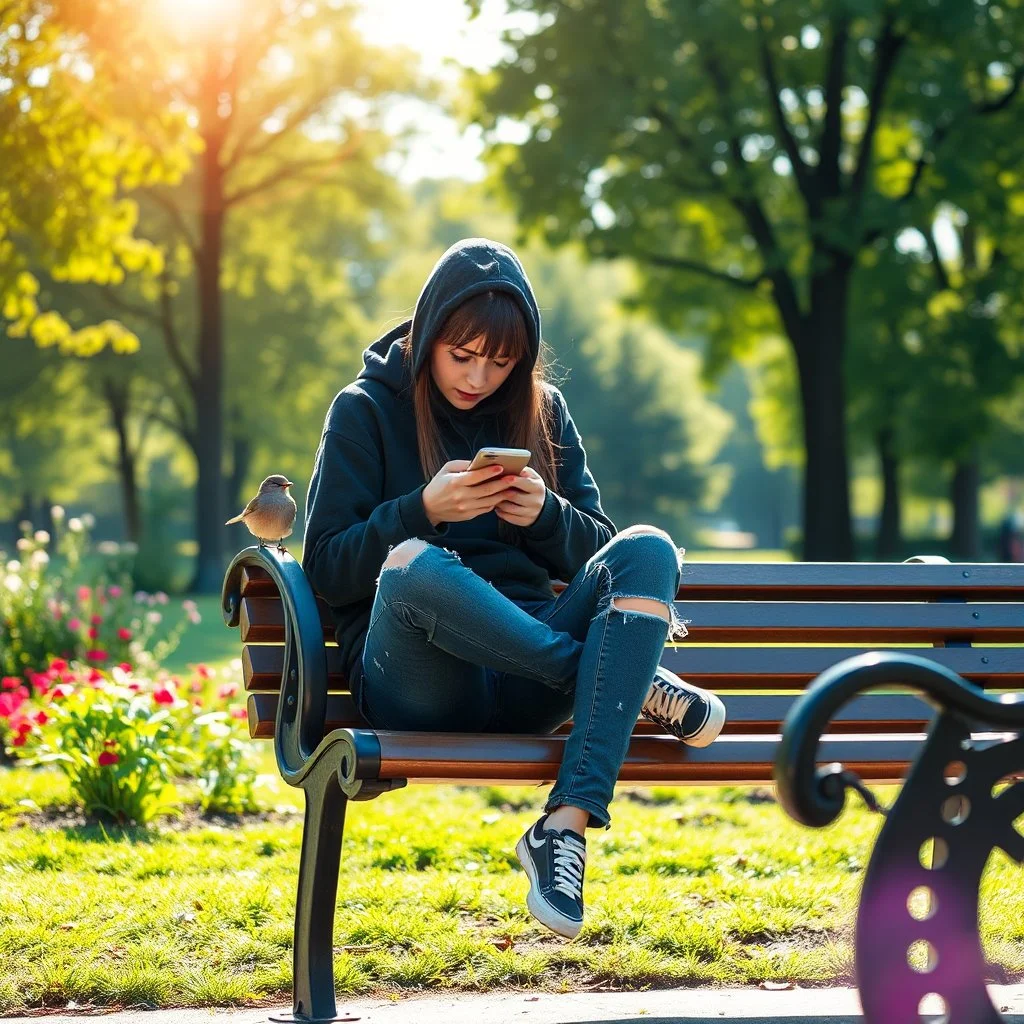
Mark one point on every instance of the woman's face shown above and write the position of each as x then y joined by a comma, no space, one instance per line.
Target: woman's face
465,376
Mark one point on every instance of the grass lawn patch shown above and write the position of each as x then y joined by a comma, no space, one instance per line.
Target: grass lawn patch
690,886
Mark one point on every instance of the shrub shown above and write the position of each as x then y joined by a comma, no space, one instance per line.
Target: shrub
69,607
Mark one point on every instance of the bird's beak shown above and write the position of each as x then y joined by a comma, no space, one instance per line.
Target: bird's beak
287,483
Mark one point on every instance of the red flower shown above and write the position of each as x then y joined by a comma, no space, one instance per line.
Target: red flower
19,740
10,682
83,594
40,718
107,757
61,690
163,696
227,691
125,666
134,687
124,634
93,633
203,672
110,742
97,620
96,655
239,712
95,675
58,665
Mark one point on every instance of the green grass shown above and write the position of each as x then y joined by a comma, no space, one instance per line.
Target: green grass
690,886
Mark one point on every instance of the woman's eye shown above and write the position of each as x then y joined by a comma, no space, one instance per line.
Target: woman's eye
501,366
460,359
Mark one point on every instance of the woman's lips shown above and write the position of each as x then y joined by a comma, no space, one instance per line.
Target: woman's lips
466,395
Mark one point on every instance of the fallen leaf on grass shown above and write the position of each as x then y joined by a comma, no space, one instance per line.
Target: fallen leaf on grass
505,942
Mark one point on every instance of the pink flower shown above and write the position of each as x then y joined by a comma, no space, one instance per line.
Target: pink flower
124,634
203,672
163,696
107,757
97,620
134,687
93,633
58,665
125,666
84,594
9,703
10,682
196,686
227,691
61,690
197,702
96,655
239,712
115,591
95,675
74,625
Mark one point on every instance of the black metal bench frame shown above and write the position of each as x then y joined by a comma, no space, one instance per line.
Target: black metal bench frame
337,765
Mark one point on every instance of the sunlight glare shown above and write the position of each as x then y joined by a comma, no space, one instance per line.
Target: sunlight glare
198,16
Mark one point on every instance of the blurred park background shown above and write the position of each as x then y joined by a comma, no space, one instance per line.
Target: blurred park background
778,249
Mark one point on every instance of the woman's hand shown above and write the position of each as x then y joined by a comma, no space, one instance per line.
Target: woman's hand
524,498
457,493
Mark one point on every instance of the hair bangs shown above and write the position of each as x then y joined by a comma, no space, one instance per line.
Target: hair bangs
497,319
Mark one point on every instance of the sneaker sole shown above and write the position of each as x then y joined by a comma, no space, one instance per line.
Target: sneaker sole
538,906
709,731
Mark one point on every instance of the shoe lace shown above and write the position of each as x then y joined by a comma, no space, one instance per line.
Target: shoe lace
570,857
669,702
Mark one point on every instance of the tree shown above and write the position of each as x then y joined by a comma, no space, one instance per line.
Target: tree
760,147
285,99
64,157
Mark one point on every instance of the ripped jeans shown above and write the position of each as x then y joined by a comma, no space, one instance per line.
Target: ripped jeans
447,652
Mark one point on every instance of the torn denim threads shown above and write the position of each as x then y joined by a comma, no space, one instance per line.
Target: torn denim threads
446,651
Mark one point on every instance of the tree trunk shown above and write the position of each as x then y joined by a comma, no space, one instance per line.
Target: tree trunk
241,460
887,544
209,384
964,541
117,401
819,352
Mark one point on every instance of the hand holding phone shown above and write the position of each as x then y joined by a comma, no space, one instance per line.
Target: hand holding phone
457,492
512,460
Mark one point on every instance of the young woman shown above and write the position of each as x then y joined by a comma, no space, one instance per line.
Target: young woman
439,577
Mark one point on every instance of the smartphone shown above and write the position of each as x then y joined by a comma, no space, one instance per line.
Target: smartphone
511,460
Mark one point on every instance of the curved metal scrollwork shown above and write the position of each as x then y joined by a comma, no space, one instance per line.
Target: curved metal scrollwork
917,924
302,706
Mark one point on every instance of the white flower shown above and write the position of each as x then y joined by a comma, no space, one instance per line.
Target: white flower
39,558
139,596
25,526
108,547
13,565
89,520
23,544
161,597
153,617
75,525
57,513
189,605
42,537
13,583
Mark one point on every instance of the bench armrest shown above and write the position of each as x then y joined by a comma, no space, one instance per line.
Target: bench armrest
302,707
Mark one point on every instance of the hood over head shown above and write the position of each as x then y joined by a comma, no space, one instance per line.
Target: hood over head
469,267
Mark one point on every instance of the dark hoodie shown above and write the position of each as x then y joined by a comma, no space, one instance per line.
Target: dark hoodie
366,493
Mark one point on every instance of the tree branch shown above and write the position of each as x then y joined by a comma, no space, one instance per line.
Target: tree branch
887,48
831,144
292,169
115,300
800,170
177,220
679,263
941,277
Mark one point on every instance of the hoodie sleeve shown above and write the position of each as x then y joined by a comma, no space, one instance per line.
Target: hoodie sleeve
572,525
349,527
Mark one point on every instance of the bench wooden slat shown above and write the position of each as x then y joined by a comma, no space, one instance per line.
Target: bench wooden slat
848,581
746,713
652,759
716,668
262,621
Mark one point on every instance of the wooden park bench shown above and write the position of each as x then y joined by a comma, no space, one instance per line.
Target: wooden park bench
750,626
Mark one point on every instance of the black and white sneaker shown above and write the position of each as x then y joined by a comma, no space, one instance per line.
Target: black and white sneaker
554,862
691,714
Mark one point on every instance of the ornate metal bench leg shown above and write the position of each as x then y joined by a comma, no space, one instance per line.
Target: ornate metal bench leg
313,957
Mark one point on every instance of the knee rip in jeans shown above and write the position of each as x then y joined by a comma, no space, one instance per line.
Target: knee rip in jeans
676,629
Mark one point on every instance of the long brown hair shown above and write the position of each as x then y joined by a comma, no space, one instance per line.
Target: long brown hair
524,407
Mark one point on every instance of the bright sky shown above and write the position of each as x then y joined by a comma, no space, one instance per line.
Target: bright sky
439,31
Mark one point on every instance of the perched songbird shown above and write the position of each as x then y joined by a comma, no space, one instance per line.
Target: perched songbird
269,516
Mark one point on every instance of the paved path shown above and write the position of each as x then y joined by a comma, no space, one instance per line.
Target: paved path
666,1006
